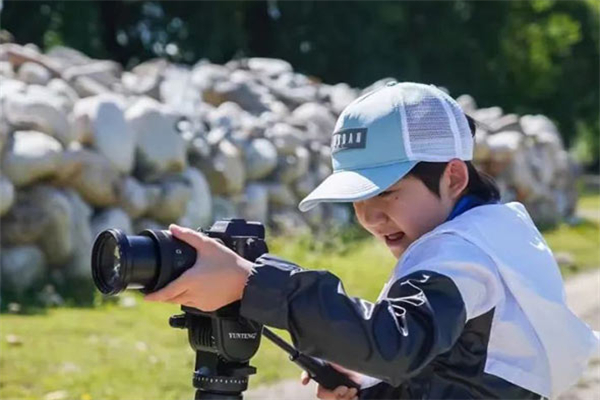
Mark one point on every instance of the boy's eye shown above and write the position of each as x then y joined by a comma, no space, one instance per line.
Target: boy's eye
384,194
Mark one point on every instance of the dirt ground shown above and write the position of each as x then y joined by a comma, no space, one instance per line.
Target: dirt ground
583,296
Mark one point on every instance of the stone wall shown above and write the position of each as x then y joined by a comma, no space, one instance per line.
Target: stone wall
85,145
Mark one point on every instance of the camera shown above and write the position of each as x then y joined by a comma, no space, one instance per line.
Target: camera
150,260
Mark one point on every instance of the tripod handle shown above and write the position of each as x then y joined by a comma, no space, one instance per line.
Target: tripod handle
323,373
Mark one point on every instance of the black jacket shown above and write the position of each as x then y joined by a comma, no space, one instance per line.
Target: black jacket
415,341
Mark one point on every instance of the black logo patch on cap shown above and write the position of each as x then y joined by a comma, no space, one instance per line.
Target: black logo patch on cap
352,138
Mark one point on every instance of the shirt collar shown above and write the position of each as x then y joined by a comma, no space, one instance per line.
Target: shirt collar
466,202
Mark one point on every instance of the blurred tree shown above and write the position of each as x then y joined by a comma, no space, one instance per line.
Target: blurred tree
538,56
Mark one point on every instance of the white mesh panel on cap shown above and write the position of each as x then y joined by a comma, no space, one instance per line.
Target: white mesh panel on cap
429,131
464,134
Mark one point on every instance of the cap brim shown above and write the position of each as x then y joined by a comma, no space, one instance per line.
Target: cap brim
356,185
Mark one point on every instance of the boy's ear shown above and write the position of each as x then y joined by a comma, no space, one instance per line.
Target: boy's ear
455,178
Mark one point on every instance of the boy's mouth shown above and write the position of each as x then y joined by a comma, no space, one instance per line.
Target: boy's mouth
393,238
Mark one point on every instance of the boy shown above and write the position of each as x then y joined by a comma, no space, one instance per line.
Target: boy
475,307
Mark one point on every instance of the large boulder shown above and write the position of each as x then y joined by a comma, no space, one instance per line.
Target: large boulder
255,203
145,79
34,73
133,197
172,202
160,148
33,156
104,72
318,114
285,137
81,236
293,166
39,110
21,268
241,88
25,222
198,211
7,195
111,218
56,240
91,175
260,158
100,121
225,172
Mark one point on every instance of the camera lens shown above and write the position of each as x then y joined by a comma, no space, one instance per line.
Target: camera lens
123,262
147,261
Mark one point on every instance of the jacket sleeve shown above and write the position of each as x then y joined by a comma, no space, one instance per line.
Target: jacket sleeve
392,339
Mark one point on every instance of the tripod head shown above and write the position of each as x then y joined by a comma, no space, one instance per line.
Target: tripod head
224,342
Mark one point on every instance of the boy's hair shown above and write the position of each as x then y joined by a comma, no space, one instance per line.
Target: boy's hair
480,184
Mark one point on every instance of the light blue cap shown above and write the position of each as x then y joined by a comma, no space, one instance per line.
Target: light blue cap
382,135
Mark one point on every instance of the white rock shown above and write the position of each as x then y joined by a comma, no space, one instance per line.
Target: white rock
340,96
295,166
24,222
305,184
270,67
504,144
172,203
289,220
146,78
198,212
111,218
34,73
81,235
33,156
6,70
86,86
318,114
64,90
281,195
260,158
160,148
104,72
40,112
224,208
205,75
7,195
92,176
542,128
22,267
56,241
487,115
100,120
133,197
226,173
467,103
255,203
285,137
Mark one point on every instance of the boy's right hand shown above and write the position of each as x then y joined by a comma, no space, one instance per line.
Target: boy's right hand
339,393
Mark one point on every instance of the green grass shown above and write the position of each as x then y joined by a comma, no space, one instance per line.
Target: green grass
112,352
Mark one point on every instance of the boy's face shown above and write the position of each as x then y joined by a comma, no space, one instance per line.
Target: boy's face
407,210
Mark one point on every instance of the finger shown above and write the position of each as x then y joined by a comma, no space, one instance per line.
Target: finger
304,378
325,394
351,394
181,298
172,290
190,236
340,391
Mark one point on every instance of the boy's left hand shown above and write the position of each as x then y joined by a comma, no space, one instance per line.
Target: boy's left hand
216,279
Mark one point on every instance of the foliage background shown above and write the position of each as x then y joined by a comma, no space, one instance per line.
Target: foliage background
538,56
